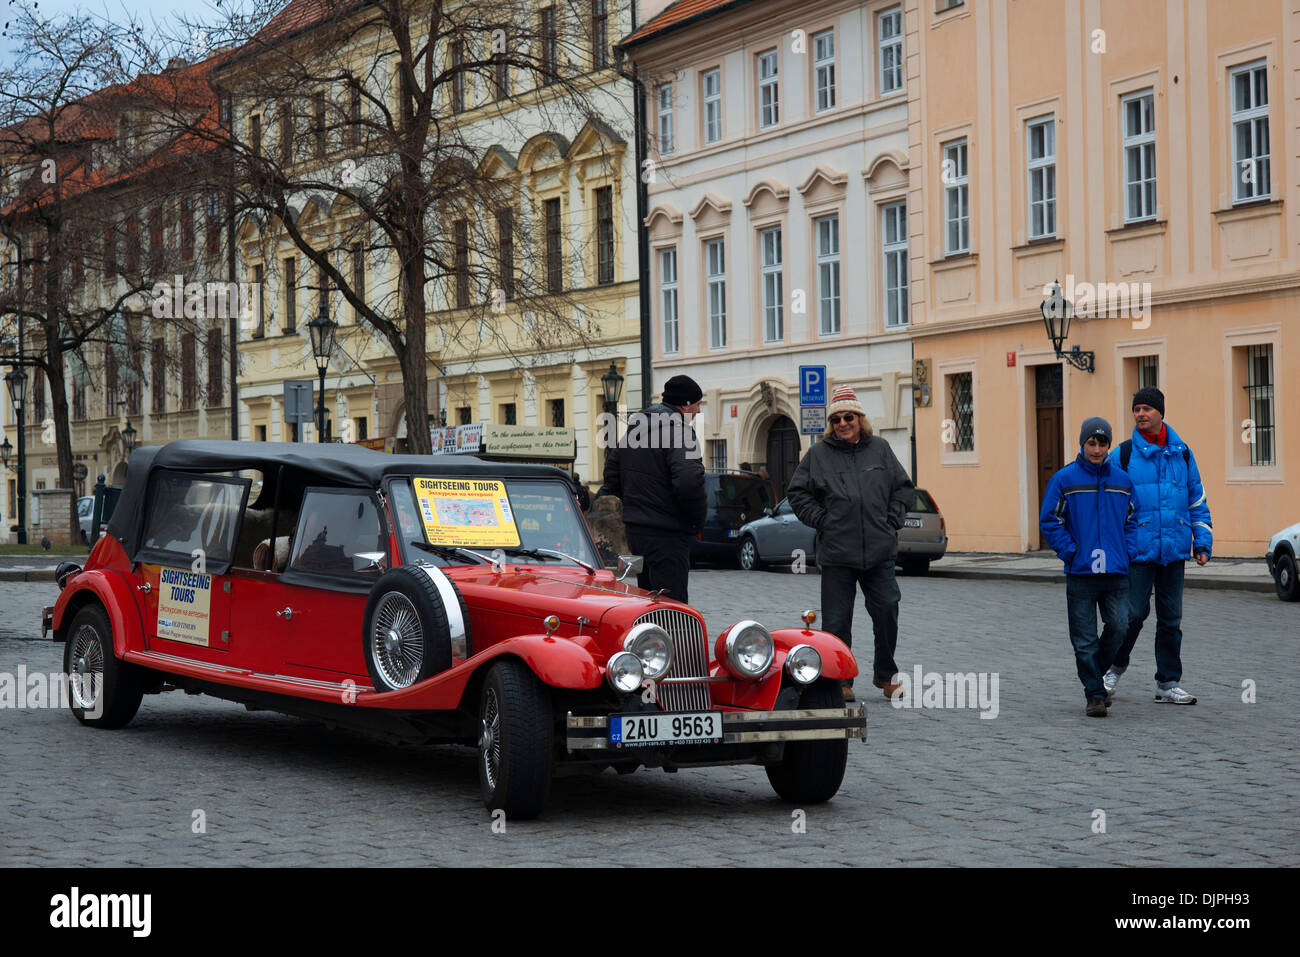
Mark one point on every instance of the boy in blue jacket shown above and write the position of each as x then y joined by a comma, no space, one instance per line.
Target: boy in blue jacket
1088,518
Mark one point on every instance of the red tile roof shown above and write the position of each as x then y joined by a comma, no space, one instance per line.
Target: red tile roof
677,15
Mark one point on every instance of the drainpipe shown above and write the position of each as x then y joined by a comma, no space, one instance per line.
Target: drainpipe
642,204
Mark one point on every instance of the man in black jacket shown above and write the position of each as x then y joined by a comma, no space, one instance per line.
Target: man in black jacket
851,488
658,471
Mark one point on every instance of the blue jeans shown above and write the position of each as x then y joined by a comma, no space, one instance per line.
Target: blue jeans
839,593
1084,595
1168,583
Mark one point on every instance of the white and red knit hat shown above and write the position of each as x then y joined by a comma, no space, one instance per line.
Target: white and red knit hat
844,399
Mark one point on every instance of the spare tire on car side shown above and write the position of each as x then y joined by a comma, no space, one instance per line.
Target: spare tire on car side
414,617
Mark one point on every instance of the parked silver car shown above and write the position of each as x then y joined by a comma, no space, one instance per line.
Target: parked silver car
85,515
779,537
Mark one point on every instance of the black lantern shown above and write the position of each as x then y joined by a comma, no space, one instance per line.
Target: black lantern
1057,313
6,450
17,383
16,380
322,345
612,383
128,438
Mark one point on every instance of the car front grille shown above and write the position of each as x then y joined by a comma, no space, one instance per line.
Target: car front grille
690,660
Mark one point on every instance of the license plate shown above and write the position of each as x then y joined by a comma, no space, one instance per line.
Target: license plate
912,523
641,730
733,532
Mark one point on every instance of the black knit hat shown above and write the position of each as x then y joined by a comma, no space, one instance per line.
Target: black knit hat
682,390
1097,426
1150,396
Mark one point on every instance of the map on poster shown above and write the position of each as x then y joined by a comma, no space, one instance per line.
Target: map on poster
466,512
184,606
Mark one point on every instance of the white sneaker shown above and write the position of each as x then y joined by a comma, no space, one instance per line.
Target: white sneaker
1174,695
1109,680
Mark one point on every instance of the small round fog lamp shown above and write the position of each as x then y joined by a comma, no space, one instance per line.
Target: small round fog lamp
624,673
803,664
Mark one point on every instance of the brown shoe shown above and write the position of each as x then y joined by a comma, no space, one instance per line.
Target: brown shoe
1096,708
848,693
890,688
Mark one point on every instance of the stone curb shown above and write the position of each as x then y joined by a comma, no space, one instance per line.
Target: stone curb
1058,578
26,574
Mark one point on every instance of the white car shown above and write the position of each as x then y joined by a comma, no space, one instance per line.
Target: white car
1283,557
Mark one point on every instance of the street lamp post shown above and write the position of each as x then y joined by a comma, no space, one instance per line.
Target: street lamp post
1057,312
322,344
128,438
17,383
612,383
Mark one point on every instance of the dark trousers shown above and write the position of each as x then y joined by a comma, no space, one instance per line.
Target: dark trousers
1167,580
1084,595
667,560
840,585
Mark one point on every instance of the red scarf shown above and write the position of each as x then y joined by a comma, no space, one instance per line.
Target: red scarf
1158,438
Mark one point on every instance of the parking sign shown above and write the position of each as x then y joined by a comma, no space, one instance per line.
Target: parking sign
812,385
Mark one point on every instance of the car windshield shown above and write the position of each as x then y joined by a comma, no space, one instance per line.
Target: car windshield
744,492
439,519
921,501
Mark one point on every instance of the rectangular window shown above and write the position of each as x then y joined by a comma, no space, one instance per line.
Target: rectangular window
212,222
1259,403
769,111
604,235
358,276
259,320
461,230
38,395
286,131
290,296
362,428
255,134
557,413
132,247
216,382
1250,147
508,413
187,227
78,399
550,47
110,252
157,375
718,454
458,77
956,198
318,123
462,415
554,248
506,250
824,69
1040,145
894,246
1139,135
501,71
353,129
668,298
189,371
889,37
1148,372
715,265
712,86
773,285
961,409
599,34
828,274
664,95
110,382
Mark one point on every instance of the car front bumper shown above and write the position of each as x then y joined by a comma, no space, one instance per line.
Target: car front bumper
587,733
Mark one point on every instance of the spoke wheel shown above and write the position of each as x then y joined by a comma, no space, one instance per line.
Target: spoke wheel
810,772
103,692
749,559
397,640
408,629
515,740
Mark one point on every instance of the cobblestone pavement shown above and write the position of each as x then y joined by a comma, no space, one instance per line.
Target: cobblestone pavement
1214,784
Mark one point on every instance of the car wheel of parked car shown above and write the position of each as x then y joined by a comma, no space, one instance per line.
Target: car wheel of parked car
919,567
408,633
1284,577
514,768
103,691
748,555
810,772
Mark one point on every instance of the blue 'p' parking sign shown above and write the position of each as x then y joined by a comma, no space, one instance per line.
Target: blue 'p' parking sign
812,385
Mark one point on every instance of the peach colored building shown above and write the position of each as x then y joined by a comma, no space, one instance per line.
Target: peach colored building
1141,154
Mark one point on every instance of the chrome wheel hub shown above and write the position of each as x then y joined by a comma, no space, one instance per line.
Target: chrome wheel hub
87,681
490,742
397,640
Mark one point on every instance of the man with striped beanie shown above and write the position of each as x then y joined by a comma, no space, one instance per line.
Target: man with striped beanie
851,488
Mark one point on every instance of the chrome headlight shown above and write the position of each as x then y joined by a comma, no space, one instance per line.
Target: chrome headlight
803,664
749,649
623,672
653,647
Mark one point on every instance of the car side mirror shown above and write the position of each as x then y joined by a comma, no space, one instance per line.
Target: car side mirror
629,565
768,511
368,561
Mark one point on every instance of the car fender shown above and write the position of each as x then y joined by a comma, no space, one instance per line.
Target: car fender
113,591
837,660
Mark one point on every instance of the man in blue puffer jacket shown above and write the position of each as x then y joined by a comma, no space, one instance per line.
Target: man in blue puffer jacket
1173,524
1088,520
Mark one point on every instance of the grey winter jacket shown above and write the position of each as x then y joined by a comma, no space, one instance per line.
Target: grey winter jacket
855,496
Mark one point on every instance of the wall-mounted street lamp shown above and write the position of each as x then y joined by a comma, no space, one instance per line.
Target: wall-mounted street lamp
6,451
128,438
1057,313
612,383
322,345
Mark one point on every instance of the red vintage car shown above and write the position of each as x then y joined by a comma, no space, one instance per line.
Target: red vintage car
435,599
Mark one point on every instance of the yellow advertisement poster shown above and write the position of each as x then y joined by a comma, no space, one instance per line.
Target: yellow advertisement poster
466,512
184,600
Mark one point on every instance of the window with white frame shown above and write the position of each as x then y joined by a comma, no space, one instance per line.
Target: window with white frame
1040,146
961,410
894,245
956,198
1250,149
769,111
718,454
665,97
828,275
1139,133
773,285
1259,404
712,83
668,297
715,265
824,69
889,38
